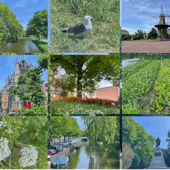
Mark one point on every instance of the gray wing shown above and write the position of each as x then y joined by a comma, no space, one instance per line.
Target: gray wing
77,29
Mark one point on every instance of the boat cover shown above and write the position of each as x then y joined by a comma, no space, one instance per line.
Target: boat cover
60,160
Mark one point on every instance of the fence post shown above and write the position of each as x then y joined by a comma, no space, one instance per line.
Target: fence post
161,61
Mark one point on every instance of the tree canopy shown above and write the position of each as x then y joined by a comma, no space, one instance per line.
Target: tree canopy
63,85
139,35
38,24
105,129
135,135
63,126
88,70
127,155
10,29
152,34
29,87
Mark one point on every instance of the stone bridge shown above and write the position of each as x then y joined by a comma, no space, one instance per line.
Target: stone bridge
83,139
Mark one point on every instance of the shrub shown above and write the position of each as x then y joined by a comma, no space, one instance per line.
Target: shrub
101,102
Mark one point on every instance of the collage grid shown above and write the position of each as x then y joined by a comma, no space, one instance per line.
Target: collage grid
56,110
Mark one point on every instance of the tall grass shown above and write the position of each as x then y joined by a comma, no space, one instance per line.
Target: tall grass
105,35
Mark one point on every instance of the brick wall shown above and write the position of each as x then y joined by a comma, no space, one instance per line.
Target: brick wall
111,93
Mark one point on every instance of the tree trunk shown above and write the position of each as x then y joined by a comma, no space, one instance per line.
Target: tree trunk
79,89
80,75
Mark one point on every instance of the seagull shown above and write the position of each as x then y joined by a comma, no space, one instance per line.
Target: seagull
80,28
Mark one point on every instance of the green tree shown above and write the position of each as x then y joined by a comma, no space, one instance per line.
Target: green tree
63,85
38,24
29,87
88,70
10,29
63,126
140,141
127,155
135,162
152,34
168,140
105,129
143,163
124,34
139,35
167,159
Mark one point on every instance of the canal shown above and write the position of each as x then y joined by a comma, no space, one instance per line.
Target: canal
128,62
20,46
93,157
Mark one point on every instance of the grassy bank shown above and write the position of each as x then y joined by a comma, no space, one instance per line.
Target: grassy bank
67,107
41,45
105,34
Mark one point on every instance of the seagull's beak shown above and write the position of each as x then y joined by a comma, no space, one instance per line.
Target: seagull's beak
92,17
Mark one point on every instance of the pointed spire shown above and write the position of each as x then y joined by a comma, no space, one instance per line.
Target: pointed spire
30,64
17,60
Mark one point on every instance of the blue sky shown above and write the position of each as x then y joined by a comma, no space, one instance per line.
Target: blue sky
136,14
7,66
79,121
25,9
157,126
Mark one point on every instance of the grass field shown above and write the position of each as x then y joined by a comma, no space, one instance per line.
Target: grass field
41,45
67,107
147,90
105,34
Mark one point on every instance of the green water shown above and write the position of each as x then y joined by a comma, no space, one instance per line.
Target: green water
20,46
93,157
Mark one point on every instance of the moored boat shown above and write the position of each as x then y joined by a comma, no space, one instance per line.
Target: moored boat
60,162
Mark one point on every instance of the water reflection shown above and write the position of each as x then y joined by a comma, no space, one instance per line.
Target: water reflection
93,157
21,46
128,62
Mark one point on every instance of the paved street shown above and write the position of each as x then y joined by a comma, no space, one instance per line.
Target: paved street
146,46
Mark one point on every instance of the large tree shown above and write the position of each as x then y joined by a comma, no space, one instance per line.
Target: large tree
135,135
88,70
63,85
10,29
127,155
168,140
63,126
153,33
38,24
104,129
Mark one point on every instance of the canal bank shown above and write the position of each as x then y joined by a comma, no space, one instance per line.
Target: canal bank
20,46
66,152
89,157
42,45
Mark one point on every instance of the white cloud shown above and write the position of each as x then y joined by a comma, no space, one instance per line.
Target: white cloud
136,14
20,3
104,83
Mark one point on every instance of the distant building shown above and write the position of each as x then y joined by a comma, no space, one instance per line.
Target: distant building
83,129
